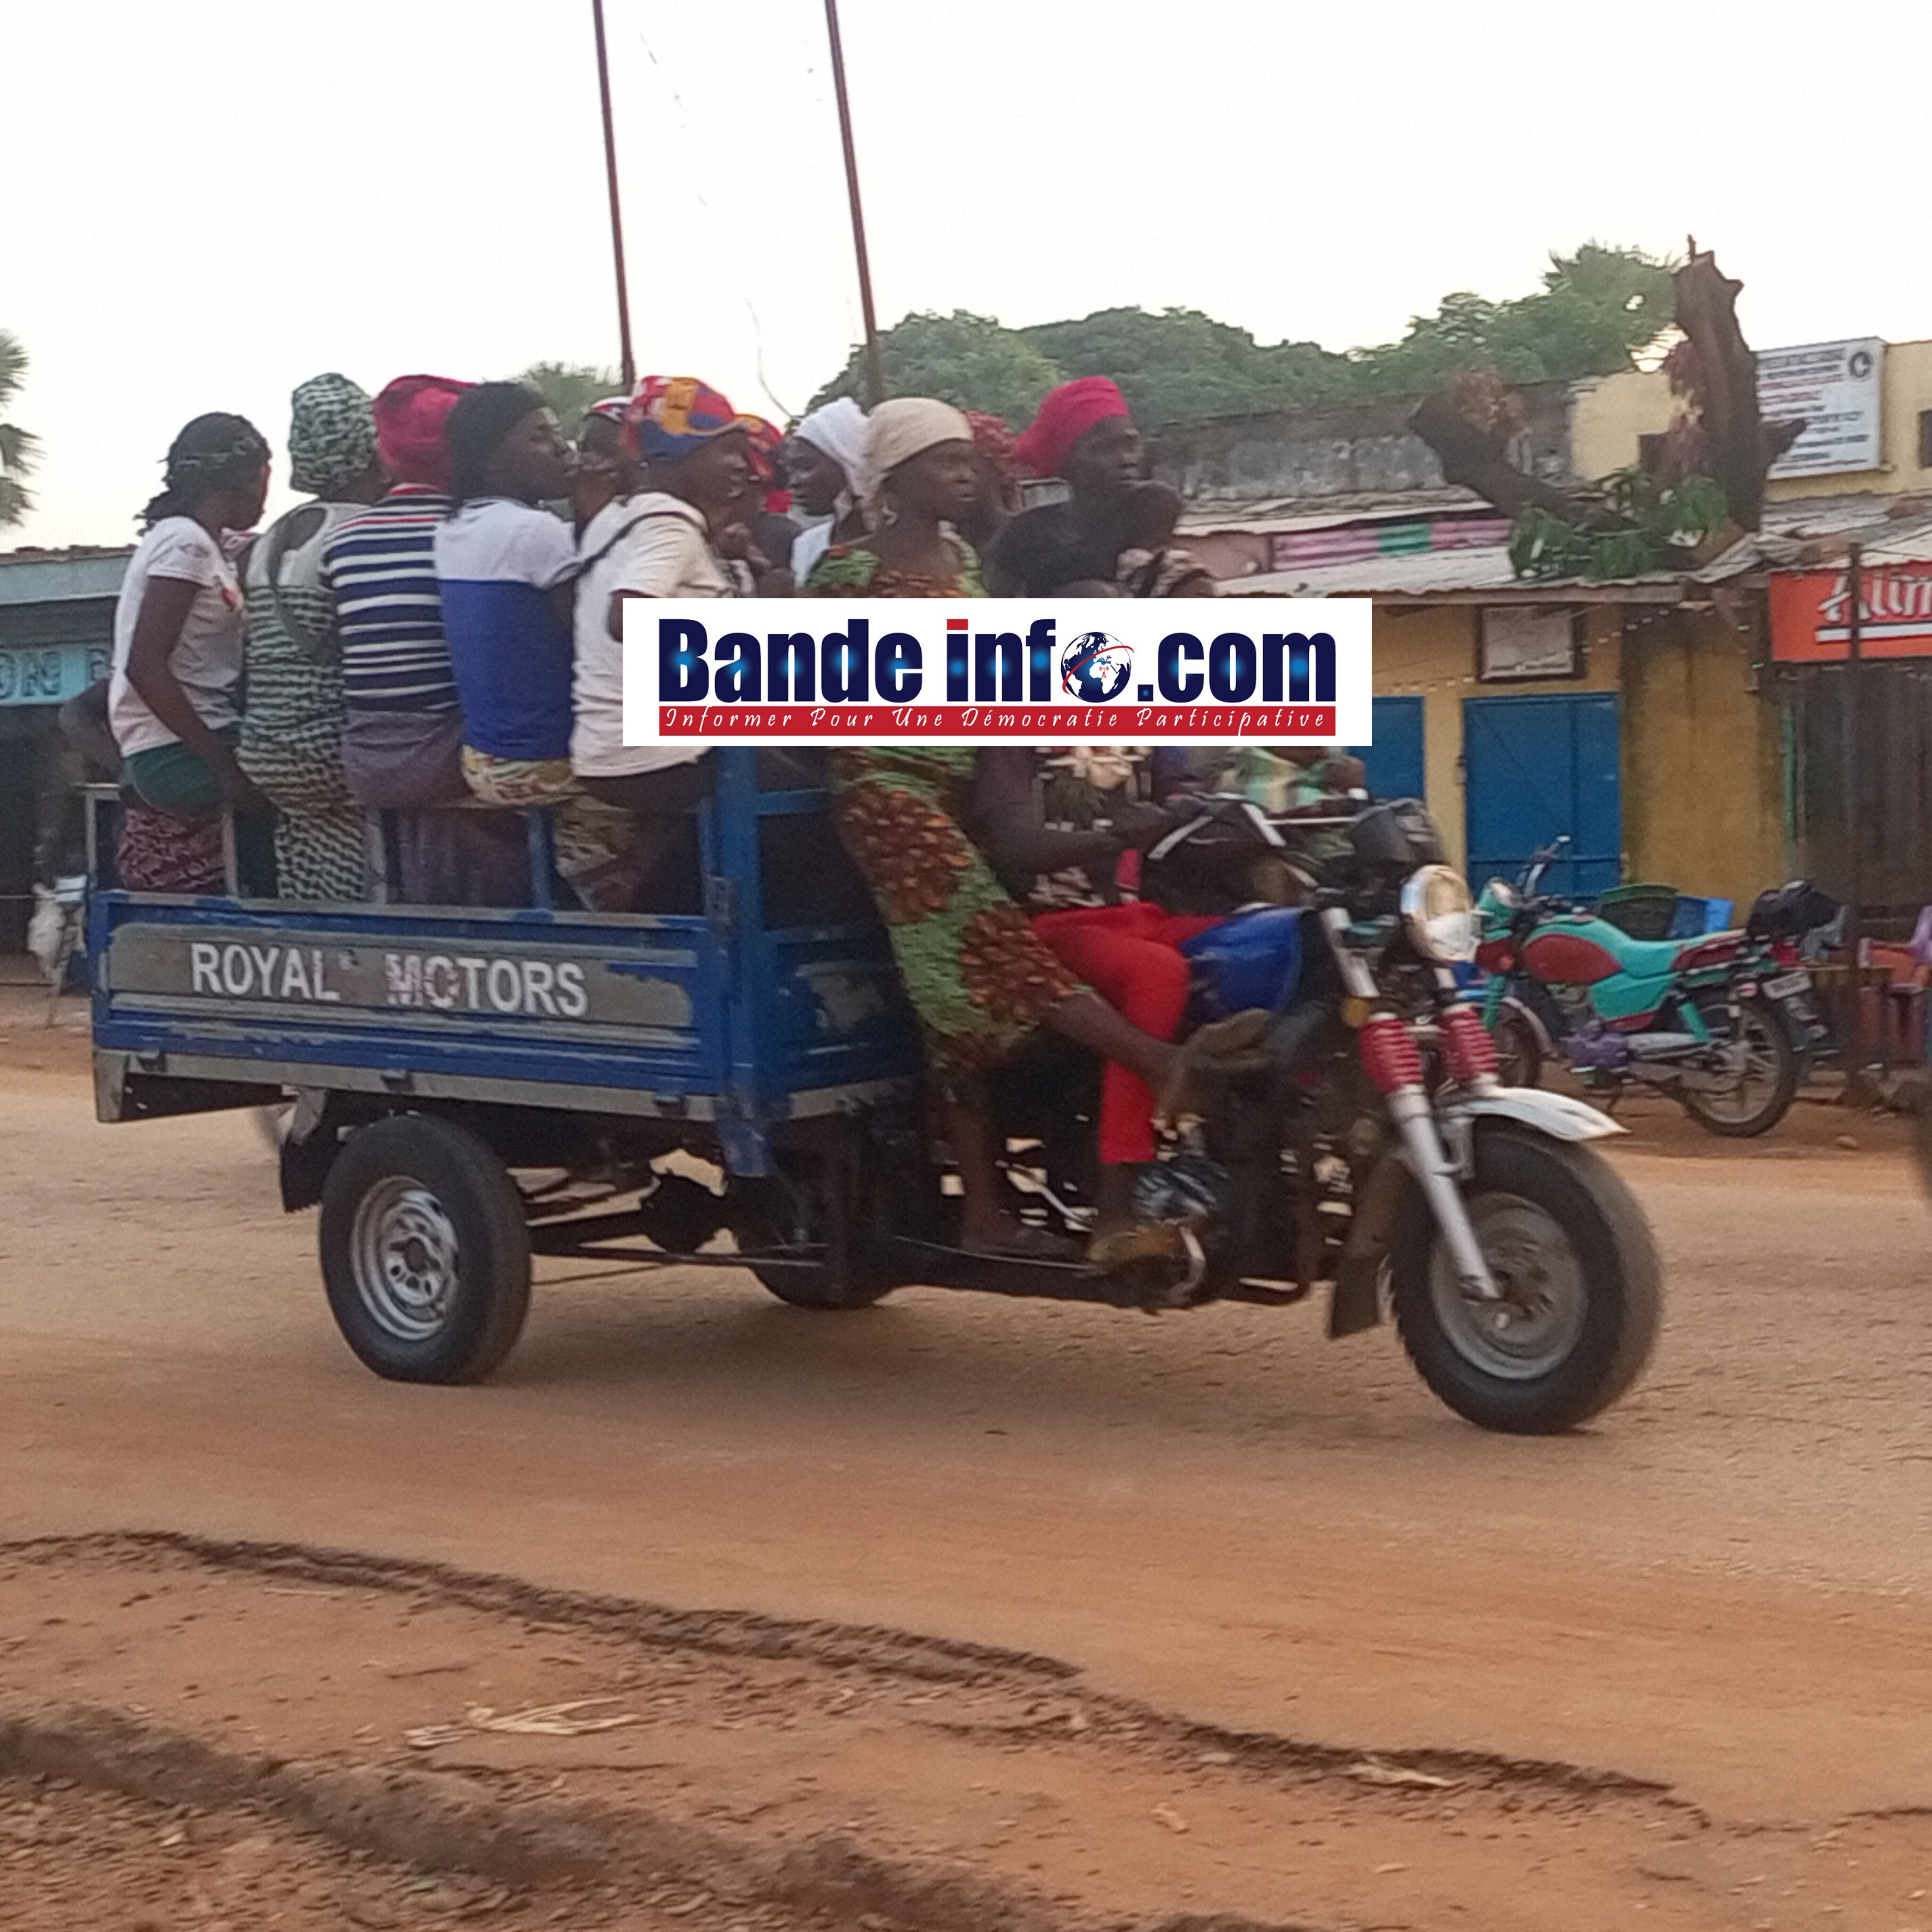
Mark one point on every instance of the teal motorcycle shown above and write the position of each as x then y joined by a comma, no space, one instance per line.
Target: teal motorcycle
1705,1020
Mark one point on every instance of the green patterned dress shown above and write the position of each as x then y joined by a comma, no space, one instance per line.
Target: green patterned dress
980,979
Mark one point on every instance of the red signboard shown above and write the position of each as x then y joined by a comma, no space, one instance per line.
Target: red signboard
1810,611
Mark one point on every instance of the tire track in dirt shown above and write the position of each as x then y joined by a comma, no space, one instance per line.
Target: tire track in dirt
878,1650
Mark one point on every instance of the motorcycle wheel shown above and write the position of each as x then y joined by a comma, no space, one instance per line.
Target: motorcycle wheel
1518,1050
1581,1288
1767,1078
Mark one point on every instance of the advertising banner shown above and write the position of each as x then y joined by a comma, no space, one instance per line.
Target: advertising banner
994,671
1810,610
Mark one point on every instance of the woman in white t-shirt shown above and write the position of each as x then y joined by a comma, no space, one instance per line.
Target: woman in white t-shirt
174,702
692,456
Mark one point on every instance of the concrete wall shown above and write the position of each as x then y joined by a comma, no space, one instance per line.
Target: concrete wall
1350,450
1607,416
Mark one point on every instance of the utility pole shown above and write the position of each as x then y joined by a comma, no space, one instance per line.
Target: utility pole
1851,747
875,367
626,360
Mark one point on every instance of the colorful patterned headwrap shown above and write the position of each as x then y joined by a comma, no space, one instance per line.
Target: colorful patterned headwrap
612,409
670,416
331,434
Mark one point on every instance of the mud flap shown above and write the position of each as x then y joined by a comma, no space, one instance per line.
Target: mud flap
314,1140
1356,1302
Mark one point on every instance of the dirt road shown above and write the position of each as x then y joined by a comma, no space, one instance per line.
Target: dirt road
952,1612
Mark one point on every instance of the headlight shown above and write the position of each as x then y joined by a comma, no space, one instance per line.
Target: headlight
1439,915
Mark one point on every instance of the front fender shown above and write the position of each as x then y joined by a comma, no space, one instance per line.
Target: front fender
1555,1114
1355,1303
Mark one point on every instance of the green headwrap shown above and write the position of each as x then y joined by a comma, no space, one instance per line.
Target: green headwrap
332,435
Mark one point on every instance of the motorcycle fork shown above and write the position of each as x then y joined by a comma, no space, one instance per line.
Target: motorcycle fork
1393,1061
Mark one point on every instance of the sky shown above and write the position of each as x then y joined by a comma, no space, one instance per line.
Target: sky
203,202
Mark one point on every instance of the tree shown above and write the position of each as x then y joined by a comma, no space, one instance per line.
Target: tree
20,448
571,388
1707,491
1180,365
970,360
1595,309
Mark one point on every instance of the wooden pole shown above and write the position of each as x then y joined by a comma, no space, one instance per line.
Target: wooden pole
626,360
875,367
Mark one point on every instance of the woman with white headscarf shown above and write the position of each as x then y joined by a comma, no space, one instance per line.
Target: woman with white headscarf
981,980
921,476
825,465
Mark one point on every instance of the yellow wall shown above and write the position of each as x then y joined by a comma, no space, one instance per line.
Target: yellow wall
1703,780
1430,652
1702,759
1608,415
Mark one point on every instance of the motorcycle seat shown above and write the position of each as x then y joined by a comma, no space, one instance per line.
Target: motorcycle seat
1713,949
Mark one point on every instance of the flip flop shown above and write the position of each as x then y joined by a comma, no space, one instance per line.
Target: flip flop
1230,1039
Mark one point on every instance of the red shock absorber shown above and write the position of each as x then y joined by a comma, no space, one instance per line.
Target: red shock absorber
1466,1045
1389,1055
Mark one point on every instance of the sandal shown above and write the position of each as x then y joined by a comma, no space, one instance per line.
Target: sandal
1230,1039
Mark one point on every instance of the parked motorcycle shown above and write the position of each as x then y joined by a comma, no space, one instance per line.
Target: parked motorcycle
1795,921
1712,1020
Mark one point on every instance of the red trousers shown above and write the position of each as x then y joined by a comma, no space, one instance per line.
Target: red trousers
1130,955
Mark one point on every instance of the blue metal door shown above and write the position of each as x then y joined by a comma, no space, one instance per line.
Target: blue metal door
1395,760
1538,769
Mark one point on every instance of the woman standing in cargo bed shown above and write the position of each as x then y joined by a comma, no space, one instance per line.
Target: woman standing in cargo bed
174,702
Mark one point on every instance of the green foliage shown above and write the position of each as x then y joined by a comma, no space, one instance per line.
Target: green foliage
571,388
1650,525
1181,365
970,360
20,448
1596,307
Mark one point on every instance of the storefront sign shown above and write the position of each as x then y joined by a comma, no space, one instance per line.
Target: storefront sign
1811,612
50,673
1835,387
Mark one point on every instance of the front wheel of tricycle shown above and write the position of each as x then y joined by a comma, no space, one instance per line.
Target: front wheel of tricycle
425,1251
1581,1289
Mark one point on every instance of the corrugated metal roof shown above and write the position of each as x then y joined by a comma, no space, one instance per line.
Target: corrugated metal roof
1264,516
1418,575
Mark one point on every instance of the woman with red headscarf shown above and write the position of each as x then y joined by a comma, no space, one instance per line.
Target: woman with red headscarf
1085,435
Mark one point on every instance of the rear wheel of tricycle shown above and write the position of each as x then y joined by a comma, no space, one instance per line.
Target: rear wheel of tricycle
425,1251
1581,1290
842,1186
